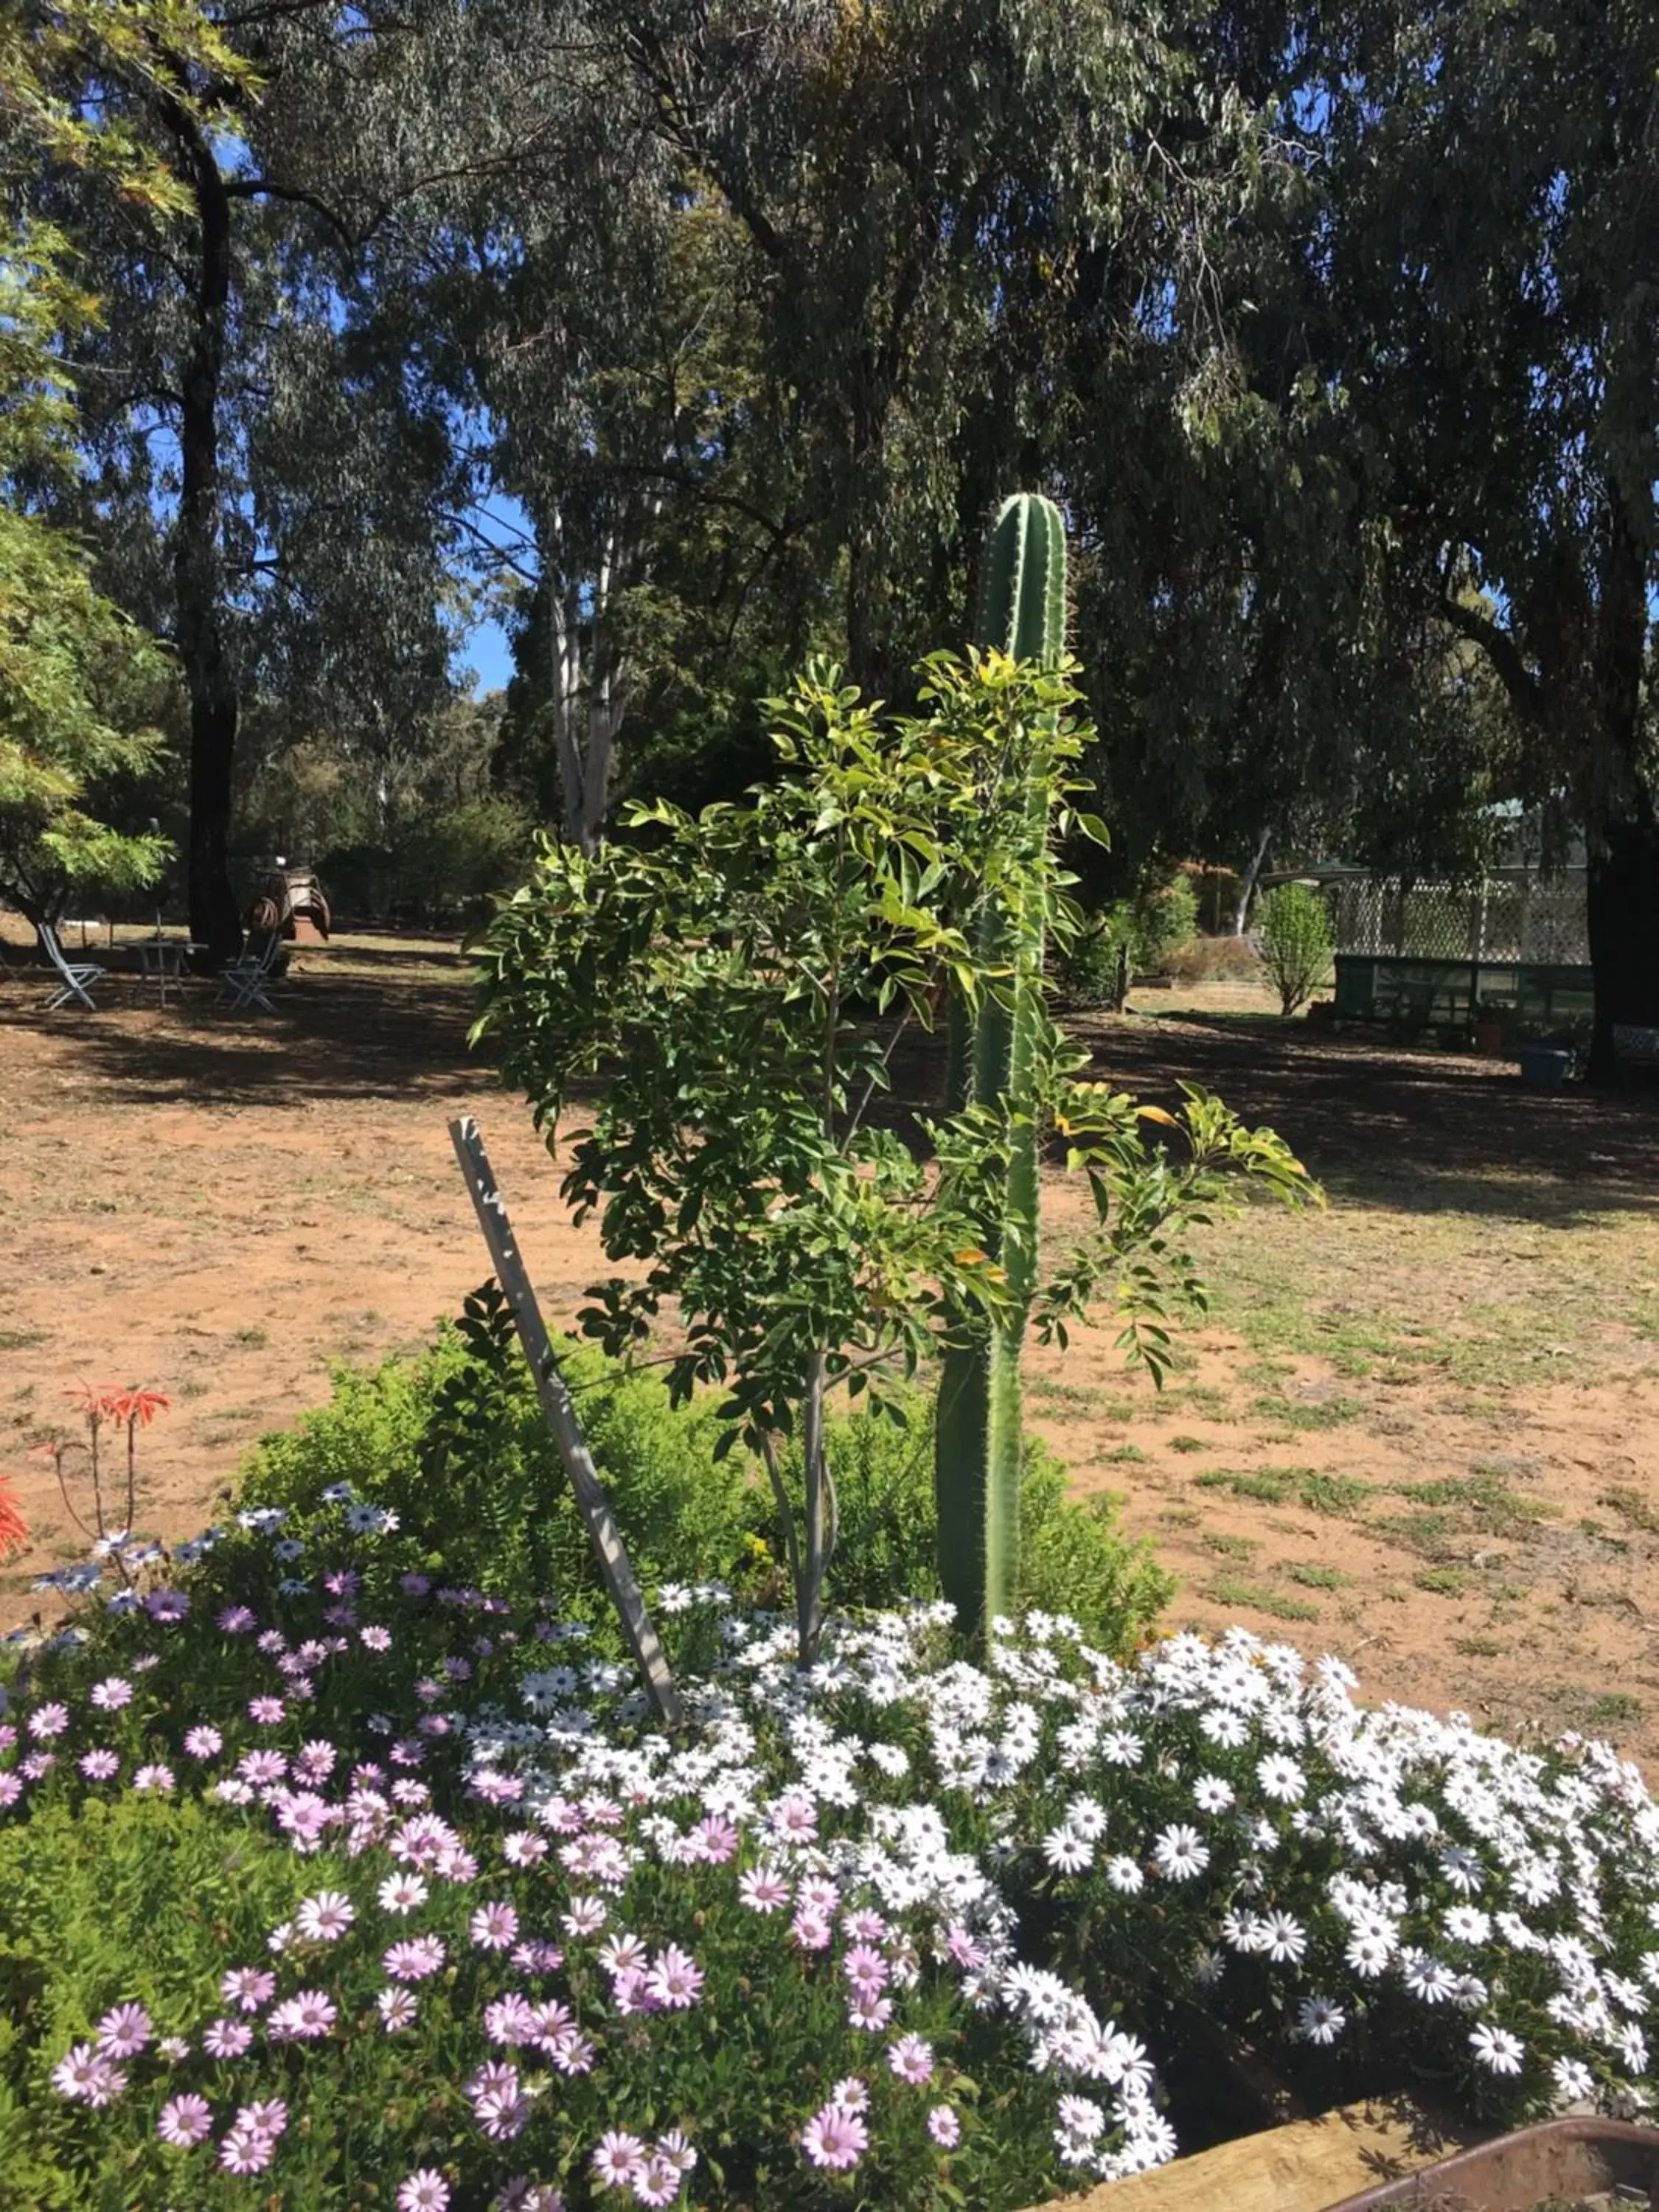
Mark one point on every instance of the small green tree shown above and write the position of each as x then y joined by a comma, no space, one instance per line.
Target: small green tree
1296,943
740,980
79,682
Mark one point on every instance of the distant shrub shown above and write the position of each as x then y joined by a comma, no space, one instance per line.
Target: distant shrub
1295,933
1160,919
1088,967
1217,960
1156,925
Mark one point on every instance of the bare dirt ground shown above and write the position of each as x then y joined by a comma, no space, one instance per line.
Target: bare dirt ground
1421,1429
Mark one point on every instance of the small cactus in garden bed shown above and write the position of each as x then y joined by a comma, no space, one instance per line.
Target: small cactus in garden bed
1022,612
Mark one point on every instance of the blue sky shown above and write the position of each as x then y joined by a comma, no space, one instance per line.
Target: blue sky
498,520
485,653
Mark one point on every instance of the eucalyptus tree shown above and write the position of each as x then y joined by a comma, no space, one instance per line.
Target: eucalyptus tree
932,196
80,683
272,468
613,359
1482,265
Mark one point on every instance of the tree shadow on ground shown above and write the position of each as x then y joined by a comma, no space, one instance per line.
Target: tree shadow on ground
331,1037
1410,1130
1379,1124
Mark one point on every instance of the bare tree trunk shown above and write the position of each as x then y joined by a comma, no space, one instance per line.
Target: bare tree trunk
214,707
1622,882
1248,882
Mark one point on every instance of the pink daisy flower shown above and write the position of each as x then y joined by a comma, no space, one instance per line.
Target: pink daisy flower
248,1987
494,1927
125,2033
676,1979
912,2059
184,2121
241,2152
835,2138
618,2159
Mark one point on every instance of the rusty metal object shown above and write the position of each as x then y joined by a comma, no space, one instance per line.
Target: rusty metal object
285,896
1561,2162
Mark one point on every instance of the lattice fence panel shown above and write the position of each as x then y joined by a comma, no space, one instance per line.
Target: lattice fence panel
1518,917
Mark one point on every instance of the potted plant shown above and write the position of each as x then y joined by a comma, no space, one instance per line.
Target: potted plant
1489,1027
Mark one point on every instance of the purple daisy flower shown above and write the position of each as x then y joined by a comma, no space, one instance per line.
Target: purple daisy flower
494,1927
184,2121
125,2031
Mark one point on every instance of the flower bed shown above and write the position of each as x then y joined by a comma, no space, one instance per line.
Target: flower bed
328,1882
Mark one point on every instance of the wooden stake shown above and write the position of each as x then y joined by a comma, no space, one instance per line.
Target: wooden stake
560,1411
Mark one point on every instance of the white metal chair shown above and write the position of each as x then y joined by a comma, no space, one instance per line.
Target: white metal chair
242,982
74,976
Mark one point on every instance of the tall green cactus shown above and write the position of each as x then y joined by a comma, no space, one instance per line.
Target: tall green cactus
976,1468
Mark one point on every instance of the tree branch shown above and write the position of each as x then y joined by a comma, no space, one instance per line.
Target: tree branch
247,188
1526,693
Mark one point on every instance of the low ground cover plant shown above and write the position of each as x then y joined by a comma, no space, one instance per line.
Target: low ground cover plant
325,1879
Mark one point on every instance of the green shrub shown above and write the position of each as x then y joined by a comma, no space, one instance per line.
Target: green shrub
1164,917
1296,943
453,1442
1087,967
1074,1558
137,1897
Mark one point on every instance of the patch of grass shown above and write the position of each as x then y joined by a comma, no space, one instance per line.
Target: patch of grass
1478,1647
1229,1547
1053,1392
1340,1494
1181,1516
1486,1499
1638,1510
255,1338
1266,1374
1189,1444
1299,1414
1205,1398
1316,1578
1614,1708
1600,1535
1117,1409
1433,1535
19,1340
1257,1597
1441,1582
1124,1455
1270,1485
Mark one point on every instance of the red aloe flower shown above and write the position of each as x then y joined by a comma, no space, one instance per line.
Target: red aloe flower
133,1407
14,1529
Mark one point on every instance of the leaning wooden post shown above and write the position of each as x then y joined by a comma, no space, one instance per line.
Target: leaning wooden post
562,1418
